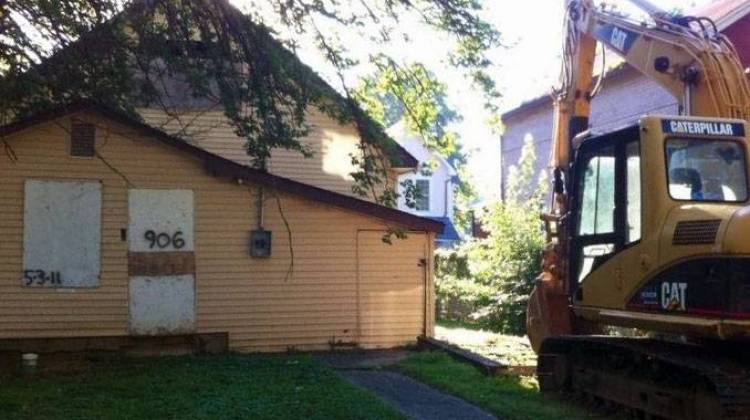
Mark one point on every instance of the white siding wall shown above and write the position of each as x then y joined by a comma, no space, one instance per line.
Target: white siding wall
441,186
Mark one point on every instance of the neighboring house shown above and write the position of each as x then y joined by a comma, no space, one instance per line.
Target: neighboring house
626,95
103,250
435,182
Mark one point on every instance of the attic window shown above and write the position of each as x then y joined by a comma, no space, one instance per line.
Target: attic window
82,138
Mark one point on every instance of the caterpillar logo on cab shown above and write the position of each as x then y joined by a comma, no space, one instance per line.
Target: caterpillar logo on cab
706,128
673,296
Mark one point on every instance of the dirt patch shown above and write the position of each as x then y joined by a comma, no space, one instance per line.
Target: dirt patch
509,350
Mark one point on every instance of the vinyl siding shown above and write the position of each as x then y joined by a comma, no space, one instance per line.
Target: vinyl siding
623,99
331,144
258,301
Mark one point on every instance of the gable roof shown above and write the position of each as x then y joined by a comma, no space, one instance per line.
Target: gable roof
401,133
369,127
220,166
723,12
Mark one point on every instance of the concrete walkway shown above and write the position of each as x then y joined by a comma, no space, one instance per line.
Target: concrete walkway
413,398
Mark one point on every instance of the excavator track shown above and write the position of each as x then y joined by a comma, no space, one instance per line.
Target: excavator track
654,378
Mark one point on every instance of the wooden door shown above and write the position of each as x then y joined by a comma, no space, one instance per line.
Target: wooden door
391,294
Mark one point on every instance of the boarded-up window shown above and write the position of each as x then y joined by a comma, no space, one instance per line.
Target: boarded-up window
61,236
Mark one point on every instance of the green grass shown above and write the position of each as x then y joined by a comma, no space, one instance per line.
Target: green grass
508,397
205,387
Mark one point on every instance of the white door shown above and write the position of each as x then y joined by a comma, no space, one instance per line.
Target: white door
161,262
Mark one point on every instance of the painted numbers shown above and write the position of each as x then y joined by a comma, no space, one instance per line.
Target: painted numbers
164,240
41,278
673,296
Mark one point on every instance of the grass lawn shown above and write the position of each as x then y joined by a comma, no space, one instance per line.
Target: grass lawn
508,397
200,387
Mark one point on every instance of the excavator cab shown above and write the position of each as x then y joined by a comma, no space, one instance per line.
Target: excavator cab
648,203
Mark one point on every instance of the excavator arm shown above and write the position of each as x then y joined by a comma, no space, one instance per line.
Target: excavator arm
687,56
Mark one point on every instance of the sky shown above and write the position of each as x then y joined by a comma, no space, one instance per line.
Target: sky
527,66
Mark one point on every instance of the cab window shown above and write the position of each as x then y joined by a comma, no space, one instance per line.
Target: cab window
607,208
597,194
706,170
633,192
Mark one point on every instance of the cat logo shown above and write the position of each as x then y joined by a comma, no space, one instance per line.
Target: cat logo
673,296
618,38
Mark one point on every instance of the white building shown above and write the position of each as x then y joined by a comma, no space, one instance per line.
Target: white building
435,184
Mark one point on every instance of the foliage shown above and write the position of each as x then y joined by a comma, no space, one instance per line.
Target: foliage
507,397
205,387
490,279
412,94
205,53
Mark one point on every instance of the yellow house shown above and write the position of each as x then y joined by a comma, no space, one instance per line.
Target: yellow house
112,229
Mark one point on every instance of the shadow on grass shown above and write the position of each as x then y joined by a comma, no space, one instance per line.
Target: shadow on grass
193,387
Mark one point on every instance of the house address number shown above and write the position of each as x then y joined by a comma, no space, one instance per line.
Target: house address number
163,240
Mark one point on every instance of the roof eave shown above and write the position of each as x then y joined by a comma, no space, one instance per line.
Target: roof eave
225,167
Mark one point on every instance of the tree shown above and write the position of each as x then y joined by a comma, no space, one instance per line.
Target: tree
143,52
494,276
414,95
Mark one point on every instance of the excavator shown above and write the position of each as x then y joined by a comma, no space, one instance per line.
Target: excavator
644,297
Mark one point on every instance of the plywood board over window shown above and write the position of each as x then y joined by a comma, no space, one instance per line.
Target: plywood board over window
62,233
161,262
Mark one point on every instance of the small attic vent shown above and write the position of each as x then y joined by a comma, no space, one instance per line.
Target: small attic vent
695,232
82,138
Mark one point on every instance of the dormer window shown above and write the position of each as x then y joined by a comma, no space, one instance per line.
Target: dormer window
422,202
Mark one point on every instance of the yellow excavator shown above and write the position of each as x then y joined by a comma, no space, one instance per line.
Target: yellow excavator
649,226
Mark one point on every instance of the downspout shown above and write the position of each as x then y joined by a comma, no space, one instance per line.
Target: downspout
259,205
427,264
423,264
445,198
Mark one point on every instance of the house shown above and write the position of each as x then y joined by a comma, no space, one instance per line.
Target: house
114,230
118,230
626,95
435,180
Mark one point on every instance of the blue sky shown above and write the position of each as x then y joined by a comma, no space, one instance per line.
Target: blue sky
526,67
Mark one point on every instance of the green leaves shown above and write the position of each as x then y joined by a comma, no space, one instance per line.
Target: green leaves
502,267
186,54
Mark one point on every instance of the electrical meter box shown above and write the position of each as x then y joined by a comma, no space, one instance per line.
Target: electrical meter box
260,243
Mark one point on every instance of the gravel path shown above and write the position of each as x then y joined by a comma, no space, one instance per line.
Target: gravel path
413,398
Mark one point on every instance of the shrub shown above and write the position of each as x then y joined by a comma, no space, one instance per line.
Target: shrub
488,281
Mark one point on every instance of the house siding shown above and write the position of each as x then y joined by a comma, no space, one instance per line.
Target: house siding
739,33
624,98
257,301
331,144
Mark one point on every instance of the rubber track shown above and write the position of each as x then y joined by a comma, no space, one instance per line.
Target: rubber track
725,366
